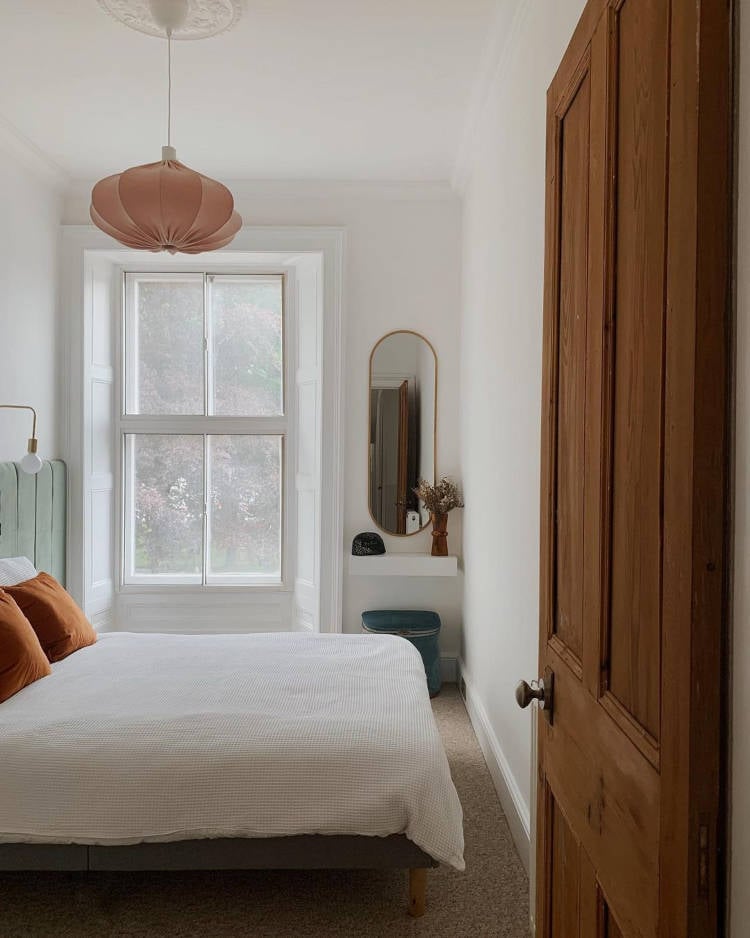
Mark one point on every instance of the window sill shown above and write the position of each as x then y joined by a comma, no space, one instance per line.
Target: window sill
198,589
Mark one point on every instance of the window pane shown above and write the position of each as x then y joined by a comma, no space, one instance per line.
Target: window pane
165,345
164,485
246,339
245,506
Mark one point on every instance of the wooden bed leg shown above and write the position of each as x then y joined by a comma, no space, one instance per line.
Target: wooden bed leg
417,892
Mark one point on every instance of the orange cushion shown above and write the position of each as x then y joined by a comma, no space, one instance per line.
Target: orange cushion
22,659
59,623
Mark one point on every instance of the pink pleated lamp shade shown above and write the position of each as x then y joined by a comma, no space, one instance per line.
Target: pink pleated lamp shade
165,206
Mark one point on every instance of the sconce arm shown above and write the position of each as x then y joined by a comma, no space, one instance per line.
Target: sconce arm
22,407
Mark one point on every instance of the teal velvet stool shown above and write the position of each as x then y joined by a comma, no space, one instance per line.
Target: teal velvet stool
422,628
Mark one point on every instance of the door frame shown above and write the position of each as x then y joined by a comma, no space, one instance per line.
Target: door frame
699,311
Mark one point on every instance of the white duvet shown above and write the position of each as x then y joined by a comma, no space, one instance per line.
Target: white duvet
172,737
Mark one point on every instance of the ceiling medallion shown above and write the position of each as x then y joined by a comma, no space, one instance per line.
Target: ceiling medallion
204,17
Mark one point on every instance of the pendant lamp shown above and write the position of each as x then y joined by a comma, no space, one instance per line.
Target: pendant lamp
166,206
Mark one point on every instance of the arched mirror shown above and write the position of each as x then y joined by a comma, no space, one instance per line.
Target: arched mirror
402,422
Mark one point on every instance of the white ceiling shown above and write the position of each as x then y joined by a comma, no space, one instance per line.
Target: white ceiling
300,89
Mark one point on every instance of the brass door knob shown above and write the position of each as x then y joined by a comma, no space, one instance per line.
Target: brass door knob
526,692
540,691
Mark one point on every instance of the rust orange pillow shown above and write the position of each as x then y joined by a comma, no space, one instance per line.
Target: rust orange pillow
59,623
22,659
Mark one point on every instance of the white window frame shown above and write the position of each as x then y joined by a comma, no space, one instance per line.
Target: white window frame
204,426
90,304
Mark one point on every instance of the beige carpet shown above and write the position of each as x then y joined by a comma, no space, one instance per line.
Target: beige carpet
490,898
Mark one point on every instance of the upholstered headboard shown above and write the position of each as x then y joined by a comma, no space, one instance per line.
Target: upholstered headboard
32,515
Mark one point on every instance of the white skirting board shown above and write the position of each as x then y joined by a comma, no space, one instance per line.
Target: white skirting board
511,799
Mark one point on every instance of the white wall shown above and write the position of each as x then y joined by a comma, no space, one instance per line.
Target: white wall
403,271
740,778
29,335
501,379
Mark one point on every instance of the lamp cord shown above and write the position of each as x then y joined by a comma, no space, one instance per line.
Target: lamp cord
169,87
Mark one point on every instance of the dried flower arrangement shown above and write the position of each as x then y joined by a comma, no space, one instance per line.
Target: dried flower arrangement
441,497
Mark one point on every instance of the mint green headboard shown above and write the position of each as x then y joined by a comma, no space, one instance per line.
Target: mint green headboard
32,515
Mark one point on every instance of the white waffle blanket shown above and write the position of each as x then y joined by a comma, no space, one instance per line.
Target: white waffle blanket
176,737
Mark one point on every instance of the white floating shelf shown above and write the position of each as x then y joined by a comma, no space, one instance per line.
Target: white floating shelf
403,565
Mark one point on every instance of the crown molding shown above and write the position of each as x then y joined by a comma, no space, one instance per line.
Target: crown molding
31,157
501,40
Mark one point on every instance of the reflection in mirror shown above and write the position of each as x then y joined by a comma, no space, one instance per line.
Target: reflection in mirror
403,391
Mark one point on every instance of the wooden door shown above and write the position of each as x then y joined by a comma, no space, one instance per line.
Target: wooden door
403,457
633,571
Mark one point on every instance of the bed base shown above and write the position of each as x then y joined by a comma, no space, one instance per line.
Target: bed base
303,852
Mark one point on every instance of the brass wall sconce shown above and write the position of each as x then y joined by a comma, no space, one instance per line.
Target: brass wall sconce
31,462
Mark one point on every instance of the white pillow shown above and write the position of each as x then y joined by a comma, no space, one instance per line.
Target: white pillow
14,570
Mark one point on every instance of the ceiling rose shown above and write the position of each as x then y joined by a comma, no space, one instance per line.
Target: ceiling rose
204,17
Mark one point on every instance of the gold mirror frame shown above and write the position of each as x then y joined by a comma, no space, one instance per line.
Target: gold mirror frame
369,422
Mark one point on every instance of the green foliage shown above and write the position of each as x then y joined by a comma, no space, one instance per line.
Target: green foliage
245,325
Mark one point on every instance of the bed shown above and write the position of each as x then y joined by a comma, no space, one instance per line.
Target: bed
291,750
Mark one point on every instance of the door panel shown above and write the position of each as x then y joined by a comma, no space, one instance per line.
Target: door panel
403,457
573,143
565,876
573,130
577,904
619,778
638,55
610,798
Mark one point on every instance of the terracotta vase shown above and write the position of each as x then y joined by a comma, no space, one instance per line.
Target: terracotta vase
439,534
